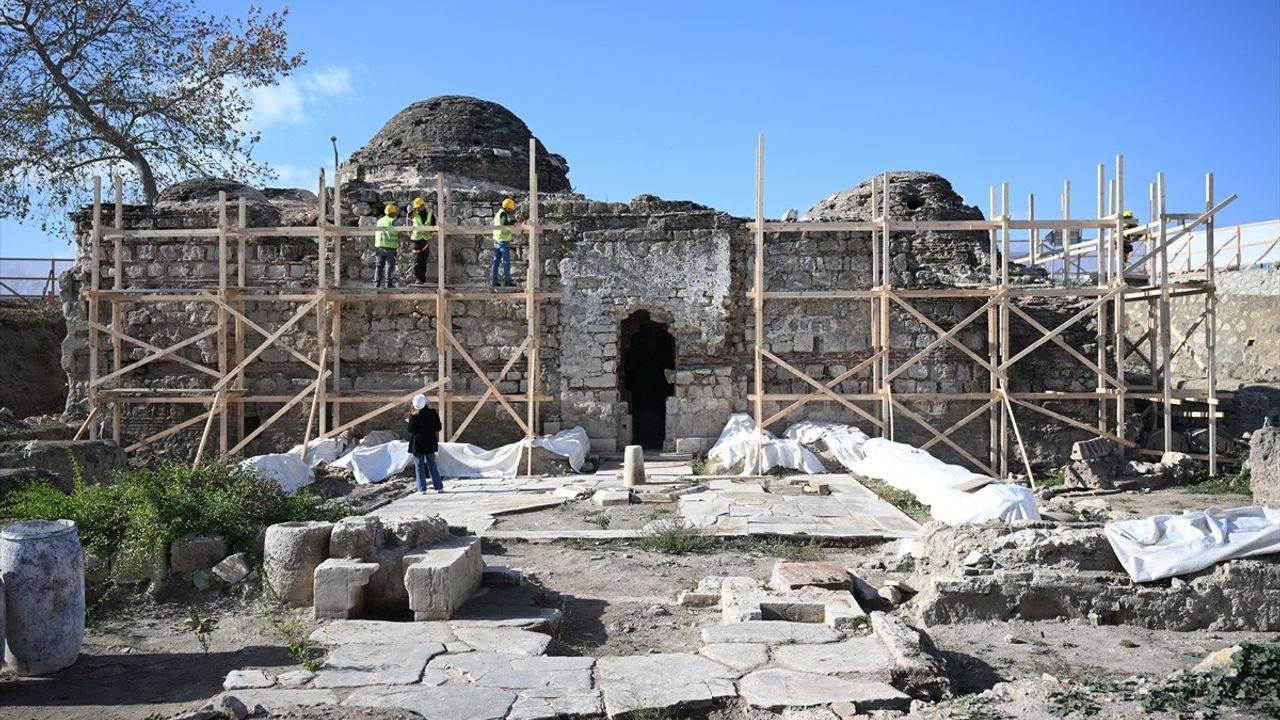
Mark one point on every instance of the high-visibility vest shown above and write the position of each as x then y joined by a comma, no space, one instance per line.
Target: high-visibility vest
419,222
387,239
501,220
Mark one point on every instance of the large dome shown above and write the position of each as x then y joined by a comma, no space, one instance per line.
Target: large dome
472,141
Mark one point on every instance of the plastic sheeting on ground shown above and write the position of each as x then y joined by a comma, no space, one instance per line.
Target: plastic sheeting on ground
285,468
736,441
933,483
322,452
1169,545
844,441
375,463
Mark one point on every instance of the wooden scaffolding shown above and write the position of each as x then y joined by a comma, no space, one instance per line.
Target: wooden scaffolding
323,296
1095,272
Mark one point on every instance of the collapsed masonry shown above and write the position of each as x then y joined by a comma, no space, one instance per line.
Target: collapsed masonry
648,337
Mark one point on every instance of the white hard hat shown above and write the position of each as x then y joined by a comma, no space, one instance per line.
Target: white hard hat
419,401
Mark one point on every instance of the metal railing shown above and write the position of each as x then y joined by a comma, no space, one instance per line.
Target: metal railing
32,279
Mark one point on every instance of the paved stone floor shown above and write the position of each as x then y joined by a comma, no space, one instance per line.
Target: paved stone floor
727,506
472,670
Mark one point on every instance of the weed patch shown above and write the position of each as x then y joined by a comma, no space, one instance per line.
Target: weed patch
675,538
131,520
901,499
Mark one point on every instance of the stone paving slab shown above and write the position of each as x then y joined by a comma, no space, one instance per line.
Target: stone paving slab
438,703
770,632
486,669
660,681
864,656
509,640
546,704
358,664
777,688
275,700
739,656
382,632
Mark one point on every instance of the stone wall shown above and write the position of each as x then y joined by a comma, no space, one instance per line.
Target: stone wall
687,266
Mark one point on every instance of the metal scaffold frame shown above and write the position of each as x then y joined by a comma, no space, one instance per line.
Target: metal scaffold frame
1112,288
226,397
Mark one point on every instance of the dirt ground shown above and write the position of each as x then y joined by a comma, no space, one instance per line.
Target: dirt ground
139,661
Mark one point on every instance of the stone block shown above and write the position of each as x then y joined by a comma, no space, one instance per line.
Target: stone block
1264,466
778,688
240,679
196,552
792,575
607,497
441,579
340,587
694,445
498,575
233,568
356,537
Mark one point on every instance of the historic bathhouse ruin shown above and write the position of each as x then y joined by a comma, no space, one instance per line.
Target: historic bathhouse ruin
643,329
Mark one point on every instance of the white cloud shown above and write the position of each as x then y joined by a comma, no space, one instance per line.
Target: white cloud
287,102
281,104
330,81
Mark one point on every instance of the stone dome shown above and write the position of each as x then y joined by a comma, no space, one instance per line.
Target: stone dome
913,195
472,141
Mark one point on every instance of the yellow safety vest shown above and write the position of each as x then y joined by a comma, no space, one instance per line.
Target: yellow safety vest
418,222
387,239
501,220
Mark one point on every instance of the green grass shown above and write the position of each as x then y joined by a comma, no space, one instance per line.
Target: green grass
143,510
787,549
1055,477
701,465
675,538
1252,683
1236,483
901,499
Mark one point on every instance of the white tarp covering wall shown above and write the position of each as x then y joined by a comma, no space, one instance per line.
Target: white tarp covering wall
1169,545
288,469
934,482
372,462
736,441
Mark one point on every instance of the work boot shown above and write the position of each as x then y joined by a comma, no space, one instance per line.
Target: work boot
510,284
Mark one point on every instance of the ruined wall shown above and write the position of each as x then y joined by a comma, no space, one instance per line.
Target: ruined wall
685,265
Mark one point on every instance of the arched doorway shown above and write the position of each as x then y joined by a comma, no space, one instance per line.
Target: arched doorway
648,351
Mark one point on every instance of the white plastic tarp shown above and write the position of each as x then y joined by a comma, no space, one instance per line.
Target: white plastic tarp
933,483
572,443
322,451
287,469
844,441
376,463
739,437
1170,545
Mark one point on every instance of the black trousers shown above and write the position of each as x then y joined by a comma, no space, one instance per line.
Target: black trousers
420,260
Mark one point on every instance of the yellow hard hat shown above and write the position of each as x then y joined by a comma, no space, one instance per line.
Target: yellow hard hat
391,209
508,204
1128,213
419,202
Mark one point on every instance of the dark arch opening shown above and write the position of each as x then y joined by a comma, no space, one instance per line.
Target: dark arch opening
648,351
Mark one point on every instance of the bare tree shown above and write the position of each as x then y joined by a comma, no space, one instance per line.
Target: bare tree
152,86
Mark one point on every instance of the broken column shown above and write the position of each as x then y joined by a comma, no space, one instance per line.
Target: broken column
290,555
441,579
42,566
633,466
1094,464
1264,465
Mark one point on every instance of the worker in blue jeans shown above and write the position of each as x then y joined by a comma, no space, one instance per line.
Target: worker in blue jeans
502,219
424,425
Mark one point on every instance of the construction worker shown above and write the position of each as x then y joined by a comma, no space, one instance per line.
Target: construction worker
420,217
385,245
1129,223
502,240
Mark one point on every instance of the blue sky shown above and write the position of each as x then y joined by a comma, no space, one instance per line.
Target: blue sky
668,97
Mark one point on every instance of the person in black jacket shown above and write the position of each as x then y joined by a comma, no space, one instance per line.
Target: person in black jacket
424,423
